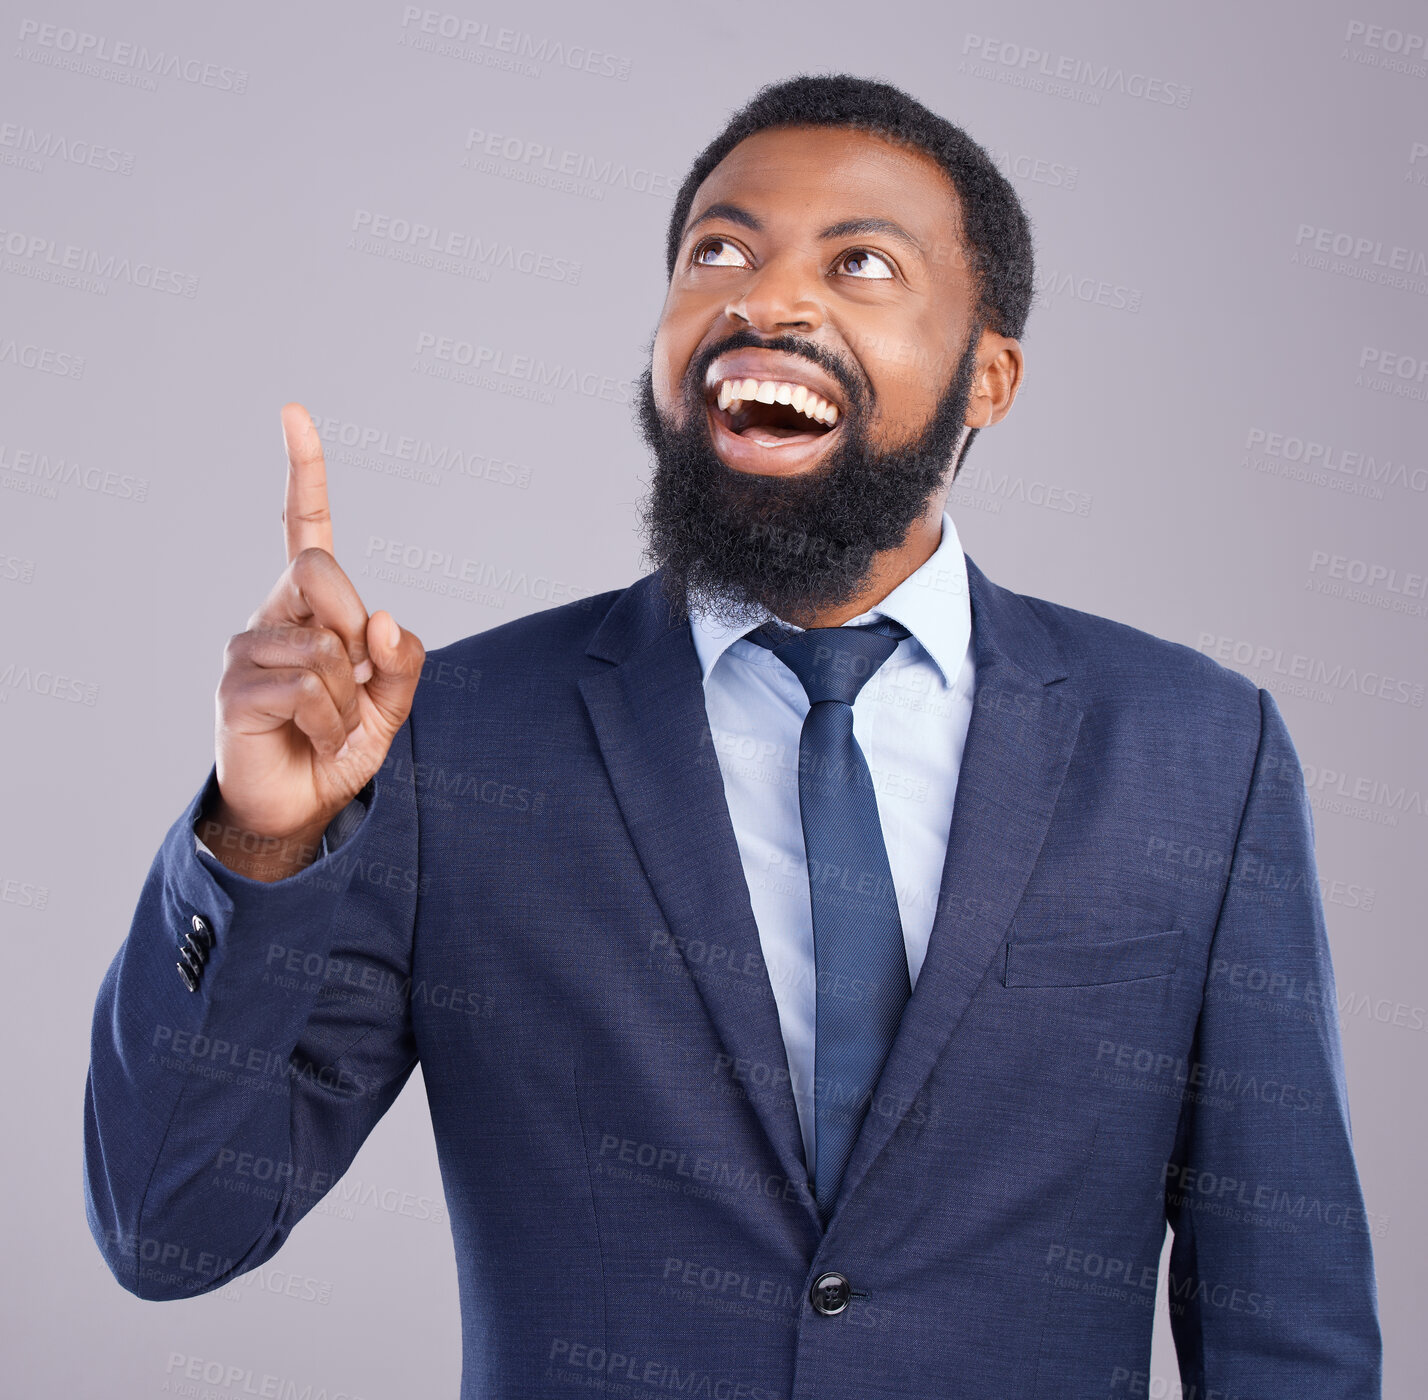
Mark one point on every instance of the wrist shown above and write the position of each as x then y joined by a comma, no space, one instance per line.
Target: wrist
259,857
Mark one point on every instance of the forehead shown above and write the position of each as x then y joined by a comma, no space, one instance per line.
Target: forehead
801,175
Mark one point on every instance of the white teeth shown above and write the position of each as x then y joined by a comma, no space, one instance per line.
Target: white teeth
799,396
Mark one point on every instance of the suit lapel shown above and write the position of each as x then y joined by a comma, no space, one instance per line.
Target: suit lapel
1019,744
653,730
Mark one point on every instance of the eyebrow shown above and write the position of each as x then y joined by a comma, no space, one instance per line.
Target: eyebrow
845,228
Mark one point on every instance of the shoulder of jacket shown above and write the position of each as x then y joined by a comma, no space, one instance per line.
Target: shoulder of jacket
1109,659
563,630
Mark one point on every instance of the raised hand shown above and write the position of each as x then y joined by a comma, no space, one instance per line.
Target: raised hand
312,692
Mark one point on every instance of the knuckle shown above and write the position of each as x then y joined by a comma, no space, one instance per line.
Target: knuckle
311,559
237,648
329,648
256,641
234,685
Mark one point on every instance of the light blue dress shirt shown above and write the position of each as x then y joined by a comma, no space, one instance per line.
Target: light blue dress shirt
910,720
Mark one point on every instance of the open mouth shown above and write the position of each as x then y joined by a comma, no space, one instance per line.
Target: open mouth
769,423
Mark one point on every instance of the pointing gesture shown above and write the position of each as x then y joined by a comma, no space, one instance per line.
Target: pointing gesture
312,693
307,522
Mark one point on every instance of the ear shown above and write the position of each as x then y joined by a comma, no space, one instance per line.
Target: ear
996,380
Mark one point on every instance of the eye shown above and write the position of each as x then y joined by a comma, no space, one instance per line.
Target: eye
697,257
861,255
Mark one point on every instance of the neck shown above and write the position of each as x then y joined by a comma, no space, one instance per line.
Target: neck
890,567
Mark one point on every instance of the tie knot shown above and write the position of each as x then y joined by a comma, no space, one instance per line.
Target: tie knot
834,663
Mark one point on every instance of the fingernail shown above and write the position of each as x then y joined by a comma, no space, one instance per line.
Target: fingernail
362,671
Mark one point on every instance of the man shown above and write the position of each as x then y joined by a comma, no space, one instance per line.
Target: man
759,1065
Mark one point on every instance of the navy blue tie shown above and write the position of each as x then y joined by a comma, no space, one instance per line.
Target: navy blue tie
859,954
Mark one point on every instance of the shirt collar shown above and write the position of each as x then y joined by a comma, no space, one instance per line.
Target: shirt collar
931,602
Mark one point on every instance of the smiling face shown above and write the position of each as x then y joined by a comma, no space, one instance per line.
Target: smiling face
813,369
837,238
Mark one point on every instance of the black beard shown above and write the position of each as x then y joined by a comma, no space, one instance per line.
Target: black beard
737,543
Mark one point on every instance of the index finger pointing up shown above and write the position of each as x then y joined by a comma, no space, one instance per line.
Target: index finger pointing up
306,519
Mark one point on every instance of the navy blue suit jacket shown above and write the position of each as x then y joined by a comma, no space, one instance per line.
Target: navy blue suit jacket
1126,1015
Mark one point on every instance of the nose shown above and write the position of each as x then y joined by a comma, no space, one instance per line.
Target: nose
781,296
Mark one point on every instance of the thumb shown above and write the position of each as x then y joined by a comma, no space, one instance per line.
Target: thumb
397,658
393,633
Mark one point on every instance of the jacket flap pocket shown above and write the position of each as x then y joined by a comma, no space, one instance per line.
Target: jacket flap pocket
1059,964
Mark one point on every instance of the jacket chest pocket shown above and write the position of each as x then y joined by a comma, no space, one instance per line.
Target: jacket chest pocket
1054,944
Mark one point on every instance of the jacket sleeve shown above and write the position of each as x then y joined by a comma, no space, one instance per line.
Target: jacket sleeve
1271,1286
216,1118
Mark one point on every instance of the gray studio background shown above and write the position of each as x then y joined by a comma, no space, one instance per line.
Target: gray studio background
1220,440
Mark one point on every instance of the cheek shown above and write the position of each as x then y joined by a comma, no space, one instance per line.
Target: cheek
907,393
908,363
669,361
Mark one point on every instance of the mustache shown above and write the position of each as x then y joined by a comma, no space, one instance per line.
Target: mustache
857,390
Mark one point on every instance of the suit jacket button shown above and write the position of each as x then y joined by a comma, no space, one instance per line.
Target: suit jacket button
202,932
830,1294
189,980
